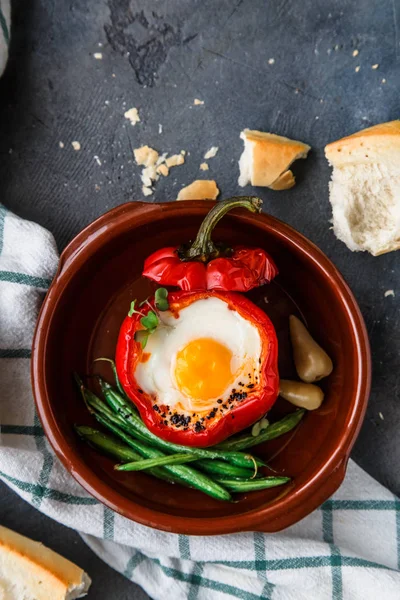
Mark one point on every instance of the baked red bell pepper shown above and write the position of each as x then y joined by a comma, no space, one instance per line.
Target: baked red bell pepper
205,265
244,406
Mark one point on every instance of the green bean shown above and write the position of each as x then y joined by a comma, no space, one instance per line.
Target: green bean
115,449
108,444
120,405
213,467
254,484
171,459
219,468
275,430
124,422
114,370
81,388
186,475
95,405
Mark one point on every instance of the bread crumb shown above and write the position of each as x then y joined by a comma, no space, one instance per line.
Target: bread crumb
147,191
204,166
198,102
61,144
183,152
175,160
200,189
159,128
98,55
97,187
163,170
76,145
357,68
161,159
355,53
375,66
389,293
383,80
271,61
133,115
211,152
145,156
113,75
149,174
381,416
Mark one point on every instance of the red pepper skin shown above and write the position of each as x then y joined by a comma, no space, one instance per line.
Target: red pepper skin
165,267
245,269
258,401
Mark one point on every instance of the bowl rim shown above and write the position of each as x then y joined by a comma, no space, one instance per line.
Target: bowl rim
284,511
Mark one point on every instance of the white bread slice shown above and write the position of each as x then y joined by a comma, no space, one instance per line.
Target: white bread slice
201,189
30,571
377,144
266,159
365,188
284,182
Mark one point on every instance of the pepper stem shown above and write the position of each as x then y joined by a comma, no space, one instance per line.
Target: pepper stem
203,248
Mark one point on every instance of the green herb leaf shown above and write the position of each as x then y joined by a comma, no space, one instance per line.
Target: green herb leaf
132,309
142,336
150,321
161,299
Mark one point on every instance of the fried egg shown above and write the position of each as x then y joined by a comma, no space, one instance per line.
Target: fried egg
199,355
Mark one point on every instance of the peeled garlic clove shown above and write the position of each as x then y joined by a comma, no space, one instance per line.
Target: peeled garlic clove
304,395
312,363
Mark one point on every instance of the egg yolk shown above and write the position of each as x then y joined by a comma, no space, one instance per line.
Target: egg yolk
203,369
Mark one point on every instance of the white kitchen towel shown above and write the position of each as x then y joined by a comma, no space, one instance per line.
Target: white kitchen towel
5,21
348,549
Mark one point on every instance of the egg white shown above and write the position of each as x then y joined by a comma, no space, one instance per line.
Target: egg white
204,318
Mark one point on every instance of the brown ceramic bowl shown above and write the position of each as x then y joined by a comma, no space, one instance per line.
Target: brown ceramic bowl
98,276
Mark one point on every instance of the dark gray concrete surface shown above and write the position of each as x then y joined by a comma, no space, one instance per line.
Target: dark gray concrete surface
160,55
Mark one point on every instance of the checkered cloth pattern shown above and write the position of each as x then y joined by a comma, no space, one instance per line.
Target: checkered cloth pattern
4,32
348,549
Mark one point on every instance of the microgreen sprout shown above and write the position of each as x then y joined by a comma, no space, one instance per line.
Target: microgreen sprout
151,320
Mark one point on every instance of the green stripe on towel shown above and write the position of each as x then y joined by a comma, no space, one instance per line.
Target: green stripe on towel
47,466
21,430
46,492
23,279
108,523
15,353
3,25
